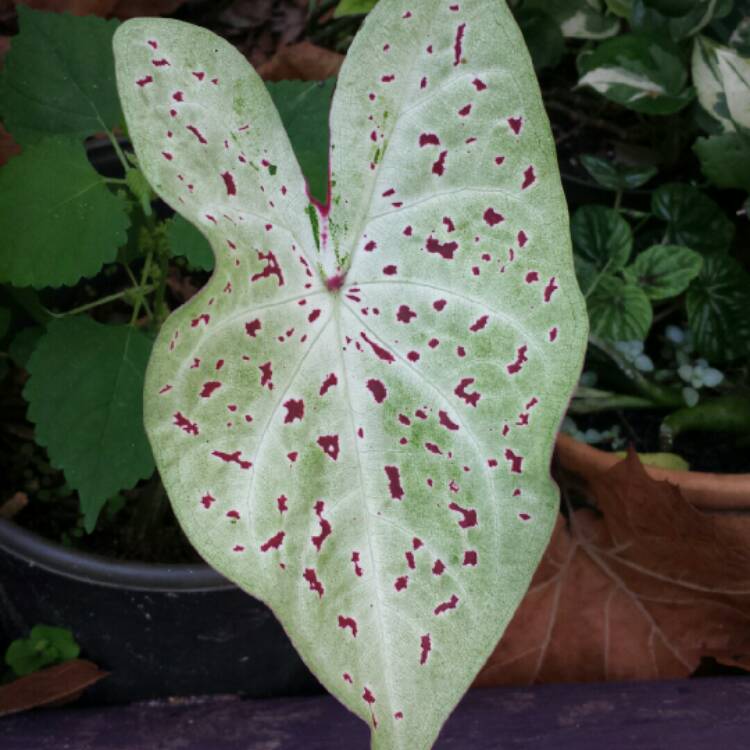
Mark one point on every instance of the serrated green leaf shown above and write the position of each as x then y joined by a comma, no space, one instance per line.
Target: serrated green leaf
543,37
640,72
693,219
725,160
619,311
85,398
717,306
353,7
328,414
184,239
59,77
304,107
602,237
616,176
664,271
58,219
23,344
45,646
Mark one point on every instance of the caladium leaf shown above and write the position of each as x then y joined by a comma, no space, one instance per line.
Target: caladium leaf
354,418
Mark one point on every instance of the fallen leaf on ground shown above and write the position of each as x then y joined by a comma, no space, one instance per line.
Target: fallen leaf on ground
56,685
301,62
642,589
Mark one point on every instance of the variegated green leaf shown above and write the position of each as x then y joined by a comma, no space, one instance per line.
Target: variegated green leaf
579,19
735,79
707,78
354,418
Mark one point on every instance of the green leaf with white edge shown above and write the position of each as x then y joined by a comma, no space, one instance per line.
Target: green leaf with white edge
735,79
185,240
304,107
643,73
354,419
717,306
578,19
664,271
543,37
58,77
85,398
725,159
354,8
708,81
619,310
45,645
602,237
616,176
693,219
58,219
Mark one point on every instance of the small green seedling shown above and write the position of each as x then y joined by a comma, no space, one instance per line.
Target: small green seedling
45,646
354,418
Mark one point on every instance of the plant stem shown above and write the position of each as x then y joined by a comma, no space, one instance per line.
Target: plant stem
118,151
103,301
618,200
144,276
115,180
595,283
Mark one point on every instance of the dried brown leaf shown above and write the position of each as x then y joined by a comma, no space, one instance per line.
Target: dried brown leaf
62,683
641,590
302,62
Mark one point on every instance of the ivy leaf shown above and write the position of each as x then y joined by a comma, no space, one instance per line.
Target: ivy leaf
353,7
602,237
618,310
616,176
59,77
725,160
184,239
543,37
329,414
46,645
58,219
85,398
693,219
578,19
303,107
664,271
717,306
640,72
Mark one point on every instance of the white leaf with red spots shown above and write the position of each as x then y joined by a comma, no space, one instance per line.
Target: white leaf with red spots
372,387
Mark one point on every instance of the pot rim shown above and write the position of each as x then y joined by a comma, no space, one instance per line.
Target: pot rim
97,570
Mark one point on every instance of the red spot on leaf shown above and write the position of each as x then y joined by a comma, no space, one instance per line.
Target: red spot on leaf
355,562
370,246
438,166
531,277
470,558
295,409
499,160
469,516
313,316
401,583
522,239
272,268
552,333
325,526
229,183
413,356
519,361
329,445
253,327
446,421
281,503
312,579
167,155
409,555
328,383
515,461
161,63
185,424
464,111
378,390
367,696
204,318
348,622
492,217
550,289
200,75
428,139
516,123
381,353
394,482
347,678
405,314
479,85
433,448
266,375
458,41
232,458
529,178
390,270
443,249
388,78
438,568
461,391
426,646
274,542
197,133
209,388
479,324
449,225
207,501
452,603
439,304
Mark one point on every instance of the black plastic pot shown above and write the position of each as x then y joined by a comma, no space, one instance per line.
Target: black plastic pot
160,630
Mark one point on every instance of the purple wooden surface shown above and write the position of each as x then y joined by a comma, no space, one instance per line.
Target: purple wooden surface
705,714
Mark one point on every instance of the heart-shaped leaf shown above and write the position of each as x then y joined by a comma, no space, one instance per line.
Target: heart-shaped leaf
354,418
664,271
